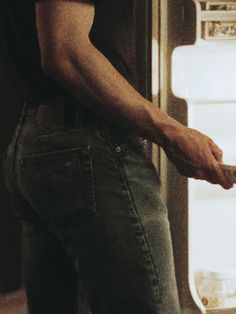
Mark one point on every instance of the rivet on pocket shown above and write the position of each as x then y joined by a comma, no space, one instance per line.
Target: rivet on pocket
118,149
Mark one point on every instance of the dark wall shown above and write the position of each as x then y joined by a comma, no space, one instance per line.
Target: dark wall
143,44
10,230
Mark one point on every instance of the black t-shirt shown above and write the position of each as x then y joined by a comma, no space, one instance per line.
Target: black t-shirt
113,33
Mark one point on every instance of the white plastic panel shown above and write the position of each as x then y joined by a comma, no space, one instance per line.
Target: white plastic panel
217,121
204,75
205,72
212,210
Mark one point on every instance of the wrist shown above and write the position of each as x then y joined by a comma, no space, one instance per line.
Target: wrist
165,129
170,130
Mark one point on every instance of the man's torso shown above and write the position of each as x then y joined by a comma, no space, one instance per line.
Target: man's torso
113,33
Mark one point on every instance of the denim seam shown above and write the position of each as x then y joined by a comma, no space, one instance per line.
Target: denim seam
47,156
18,133
148,252
92,177
53,132
142,233
132,202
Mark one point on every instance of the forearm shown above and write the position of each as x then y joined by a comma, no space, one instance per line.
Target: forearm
63,29
91,78
94,81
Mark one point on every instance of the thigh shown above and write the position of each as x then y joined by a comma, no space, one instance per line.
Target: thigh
129,266
143,186
50,278
103,204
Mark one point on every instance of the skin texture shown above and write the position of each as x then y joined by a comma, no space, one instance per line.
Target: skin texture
69,57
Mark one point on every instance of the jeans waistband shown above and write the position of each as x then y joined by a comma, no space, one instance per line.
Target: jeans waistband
64,114
61,113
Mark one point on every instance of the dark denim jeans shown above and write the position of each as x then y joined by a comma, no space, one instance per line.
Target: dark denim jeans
88,198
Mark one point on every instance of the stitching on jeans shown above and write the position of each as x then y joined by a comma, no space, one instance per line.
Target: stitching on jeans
55,132
54,155
92,177
18,133
132,203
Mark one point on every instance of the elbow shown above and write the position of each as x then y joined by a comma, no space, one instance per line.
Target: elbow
69,67
63,69
53,65
58,63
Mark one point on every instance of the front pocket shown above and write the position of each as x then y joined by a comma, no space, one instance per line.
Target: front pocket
60,185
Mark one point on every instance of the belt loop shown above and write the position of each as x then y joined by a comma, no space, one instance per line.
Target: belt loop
69,113
51,114
24,110
79,116
74,114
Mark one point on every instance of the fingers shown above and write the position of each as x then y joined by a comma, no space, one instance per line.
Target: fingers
216,151
212,173
198,174
221,176
201,175
200,161
217,173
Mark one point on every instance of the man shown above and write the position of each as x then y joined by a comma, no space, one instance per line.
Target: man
77,172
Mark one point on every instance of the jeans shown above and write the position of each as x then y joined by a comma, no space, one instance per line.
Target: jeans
88,198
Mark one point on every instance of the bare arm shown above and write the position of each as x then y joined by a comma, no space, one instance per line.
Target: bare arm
70,58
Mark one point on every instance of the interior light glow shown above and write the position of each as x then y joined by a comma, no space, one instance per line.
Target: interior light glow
155,68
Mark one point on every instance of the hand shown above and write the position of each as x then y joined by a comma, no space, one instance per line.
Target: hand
195,155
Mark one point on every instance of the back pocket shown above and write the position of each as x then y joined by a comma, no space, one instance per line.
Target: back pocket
60,185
